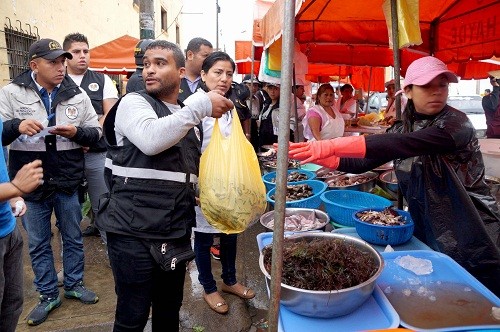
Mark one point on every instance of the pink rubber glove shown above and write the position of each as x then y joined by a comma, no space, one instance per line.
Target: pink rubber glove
311,152
330,162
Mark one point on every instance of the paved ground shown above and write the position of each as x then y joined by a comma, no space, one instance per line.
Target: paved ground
243,315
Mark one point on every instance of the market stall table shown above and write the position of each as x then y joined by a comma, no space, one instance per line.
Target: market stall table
377,312
352,130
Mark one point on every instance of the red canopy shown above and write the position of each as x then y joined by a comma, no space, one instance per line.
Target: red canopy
114,57
317,72
355,32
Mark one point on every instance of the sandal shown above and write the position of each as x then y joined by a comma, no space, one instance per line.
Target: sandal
239,290
216,302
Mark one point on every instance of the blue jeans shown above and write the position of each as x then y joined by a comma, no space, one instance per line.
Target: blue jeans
202,244
11,280
37,223
94,172
140,284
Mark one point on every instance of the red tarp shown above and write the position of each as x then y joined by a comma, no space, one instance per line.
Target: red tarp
317,72
114,57
355,32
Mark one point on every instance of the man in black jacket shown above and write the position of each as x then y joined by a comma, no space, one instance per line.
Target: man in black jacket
196,52
152,168
48,117
491,112
103,94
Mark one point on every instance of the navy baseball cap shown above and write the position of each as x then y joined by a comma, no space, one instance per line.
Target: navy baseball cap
48,49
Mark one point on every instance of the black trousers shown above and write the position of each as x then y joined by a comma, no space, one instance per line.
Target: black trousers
140,284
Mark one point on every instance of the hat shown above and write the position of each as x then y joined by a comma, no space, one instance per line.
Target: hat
391,82
48,49
424,70
250,78
273,84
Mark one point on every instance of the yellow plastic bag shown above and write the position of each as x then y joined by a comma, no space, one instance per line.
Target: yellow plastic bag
232,193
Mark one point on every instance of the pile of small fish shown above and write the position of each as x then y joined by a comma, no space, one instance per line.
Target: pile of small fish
325,173
296,192
293,177
386,217
298,222
273,164
344,181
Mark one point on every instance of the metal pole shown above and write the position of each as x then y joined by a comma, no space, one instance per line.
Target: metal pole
251,76
147,19
369,90
217,11
282,160
397,72
296,137
396,54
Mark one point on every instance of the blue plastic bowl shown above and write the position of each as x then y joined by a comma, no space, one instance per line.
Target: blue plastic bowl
340,204
384,235
312,202
267,178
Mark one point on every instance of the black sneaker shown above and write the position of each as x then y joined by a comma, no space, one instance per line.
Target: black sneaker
41,311
81,293
91,231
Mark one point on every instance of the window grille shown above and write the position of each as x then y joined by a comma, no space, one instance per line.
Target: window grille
18,42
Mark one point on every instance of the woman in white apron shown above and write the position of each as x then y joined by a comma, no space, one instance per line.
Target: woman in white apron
323,120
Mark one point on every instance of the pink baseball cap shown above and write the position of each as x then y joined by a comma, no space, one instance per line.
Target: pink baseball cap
424,70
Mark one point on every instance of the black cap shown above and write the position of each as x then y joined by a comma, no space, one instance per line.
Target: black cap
48,49
140,49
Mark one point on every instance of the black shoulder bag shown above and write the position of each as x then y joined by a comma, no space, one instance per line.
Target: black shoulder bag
169,253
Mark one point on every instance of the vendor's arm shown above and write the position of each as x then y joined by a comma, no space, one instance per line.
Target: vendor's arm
386,147
314,122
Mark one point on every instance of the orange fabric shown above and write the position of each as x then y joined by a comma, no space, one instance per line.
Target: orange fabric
114,57
243,50
245,66
261,7
473,69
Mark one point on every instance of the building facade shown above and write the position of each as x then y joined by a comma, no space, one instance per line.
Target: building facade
26,21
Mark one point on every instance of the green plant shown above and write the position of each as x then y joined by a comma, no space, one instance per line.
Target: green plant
86,206
198,328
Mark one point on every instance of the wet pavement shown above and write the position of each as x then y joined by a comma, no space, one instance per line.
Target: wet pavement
195,315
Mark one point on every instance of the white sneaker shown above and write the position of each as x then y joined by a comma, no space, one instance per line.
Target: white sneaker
60,278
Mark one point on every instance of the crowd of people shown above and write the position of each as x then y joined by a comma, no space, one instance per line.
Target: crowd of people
65,124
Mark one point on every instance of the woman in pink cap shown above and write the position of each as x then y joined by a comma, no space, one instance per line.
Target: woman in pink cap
439,168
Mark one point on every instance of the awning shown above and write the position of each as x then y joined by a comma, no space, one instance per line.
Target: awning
355,32
114,57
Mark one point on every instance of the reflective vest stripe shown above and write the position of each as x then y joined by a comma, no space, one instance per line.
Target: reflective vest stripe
146,173
40,145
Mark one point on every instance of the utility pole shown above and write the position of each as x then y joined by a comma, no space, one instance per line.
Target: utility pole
217,12
146,19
